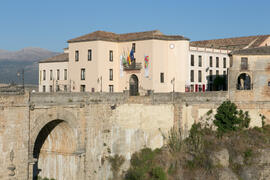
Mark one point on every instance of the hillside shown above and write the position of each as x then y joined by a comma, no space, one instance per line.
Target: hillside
13,61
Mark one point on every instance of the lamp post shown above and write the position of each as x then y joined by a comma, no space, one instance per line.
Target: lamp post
22,75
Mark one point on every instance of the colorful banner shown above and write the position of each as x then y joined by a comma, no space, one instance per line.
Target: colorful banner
146,65
121,66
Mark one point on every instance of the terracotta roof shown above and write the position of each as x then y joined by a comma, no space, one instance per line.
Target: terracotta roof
232,43
109,36
264,50
59,58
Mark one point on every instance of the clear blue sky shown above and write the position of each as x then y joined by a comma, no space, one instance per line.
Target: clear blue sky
50,23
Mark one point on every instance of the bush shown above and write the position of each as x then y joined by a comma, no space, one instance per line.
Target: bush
174,141
143,166
228,118
116,162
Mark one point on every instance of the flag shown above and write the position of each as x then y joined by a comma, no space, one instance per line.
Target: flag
129,60
131,54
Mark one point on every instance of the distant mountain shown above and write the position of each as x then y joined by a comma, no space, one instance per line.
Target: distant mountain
12,62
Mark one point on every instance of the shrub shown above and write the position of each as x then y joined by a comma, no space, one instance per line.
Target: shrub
195,139
143,166
174,141
116,162
228,118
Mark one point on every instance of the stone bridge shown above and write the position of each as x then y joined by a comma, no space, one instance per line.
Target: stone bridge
69,136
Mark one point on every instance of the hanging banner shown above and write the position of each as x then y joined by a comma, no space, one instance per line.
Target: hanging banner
146,65
121,66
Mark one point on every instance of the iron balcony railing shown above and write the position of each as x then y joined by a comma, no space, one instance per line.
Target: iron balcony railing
133,66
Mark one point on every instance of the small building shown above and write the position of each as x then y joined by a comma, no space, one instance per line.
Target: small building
53,74
249,75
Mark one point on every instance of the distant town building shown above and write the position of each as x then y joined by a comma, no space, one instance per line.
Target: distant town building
249,75
141,62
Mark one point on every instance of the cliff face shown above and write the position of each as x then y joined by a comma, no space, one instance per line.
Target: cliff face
203,155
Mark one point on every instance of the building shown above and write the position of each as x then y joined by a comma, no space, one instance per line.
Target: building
142,62
209,59
53,74
99,62
249,76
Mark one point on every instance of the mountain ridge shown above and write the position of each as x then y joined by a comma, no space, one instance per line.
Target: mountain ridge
26,58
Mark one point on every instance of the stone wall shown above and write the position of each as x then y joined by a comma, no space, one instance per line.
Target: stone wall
74,134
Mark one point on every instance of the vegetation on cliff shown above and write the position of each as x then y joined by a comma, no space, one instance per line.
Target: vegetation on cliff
227,150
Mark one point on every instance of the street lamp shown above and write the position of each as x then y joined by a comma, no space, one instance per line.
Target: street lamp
22,75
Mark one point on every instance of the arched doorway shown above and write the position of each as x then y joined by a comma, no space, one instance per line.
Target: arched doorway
244,82
133,85
54,150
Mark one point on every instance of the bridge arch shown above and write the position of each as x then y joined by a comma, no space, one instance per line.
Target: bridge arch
55,135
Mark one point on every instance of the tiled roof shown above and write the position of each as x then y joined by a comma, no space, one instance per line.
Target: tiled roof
264,50
109,36
59,58
232,43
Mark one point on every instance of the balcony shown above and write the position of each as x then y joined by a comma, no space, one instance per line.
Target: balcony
133,66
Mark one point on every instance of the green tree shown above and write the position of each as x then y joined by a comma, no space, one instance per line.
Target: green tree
228,118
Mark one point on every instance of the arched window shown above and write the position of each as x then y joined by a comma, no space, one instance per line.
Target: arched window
243,82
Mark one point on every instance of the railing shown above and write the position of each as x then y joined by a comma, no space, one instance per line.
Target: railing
133,66
11,89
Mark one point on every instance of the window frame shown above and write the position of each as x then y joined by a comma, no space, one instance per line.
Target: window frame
77,54
82,74
111,55
199,76
89,55
111,74
162,77
199,61
217,62
111,88
192,61
192,75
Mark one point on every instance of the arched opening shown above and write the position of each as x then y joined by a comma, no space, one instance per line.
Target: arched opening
133,85
244,82
54,150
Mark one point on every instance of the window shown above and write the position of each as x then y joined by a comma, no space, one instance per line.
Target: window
65,74
82,89
89,54
44,88
83,74
224,62
134,47
217,73
210,75
192,76
40,76
192,60
77,55
200,61
244,63
224,73
110,88
161,77
211,61
111,55
44,75
110,74
199,76
58,74
57,88
217,61
93,90
192,88
65,88
51,74
51,88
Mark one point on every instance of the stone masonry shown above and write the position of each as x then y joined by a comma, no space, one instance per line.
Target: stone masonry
71,135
